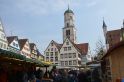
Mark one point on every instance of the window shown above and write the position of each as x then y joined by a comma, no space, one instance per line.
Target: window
56,54
79,55
65,48
62,63
2,36
61,56
67,32
55,49
51,59
67,24
69,48
51,53
56,58
47,53
67,43
70,62
65,55
14,44
66,63
74,62
74,55
70,55
47,58
51,49
48,49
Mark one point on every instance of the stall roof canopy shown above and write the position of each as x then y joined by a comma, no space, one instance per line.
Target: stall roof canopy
18,57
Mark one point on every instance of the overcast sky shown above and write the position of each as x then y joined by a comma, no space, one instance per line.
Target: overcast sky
42,20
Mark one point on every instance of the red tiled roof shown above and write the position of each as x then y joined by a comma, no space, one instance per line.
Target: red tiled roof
113,37
11,38
83,47
22,43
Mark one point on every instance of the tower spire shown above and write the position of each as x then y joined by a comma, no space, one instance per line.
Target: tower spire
104,25
68,6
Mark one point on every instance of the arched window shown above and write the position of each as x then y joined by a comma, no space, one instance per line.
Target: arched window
67,24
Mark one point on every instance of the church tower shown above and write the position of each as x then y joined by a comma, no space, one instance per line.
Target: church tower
104,27
69,30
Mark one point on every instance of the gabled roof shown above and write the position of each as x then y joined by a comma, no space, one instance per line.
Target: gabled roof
32,45
11,38
22,43
82,47
39,53
57,45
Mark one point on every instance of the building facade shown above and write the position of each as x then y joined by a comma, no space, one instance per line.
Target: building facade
25,47
13,44
112,37
33,48
69,53
40,56
112,63
52,52
3,39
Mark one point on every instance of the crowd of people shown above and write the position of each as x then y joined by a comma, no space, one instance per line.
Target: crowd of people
61,75
56,75
85,75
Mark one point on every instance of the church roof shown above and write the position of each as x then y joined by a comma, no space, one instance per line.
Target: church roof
104,25
68,11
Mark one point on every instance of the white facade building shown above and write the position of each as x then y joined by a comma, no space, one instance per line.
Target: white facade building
3,39
52,52
70,53
13,44
25,47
